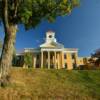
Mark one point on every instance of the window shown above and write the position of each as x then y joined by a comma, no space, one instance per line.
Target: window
65,56
73,56
37,65
51,56
37,57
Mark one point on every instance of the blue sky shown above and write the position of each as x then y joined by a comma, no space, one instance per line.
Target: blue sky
79,30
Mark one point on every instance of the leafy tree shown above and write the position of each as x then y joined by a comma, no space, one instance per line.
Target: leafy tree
96,57
30,13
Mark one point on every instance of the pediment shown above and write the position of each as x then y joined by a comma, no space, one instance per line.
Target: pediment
52,45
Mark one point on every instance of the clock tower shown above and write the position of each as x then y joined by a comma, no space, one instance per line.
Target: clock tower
50,37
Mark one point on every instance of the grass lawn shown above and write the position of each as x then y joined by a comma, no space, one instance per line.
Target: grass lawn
43,84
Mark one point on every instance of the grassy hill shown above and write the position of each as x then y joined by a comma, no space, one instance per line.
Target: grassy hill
42,84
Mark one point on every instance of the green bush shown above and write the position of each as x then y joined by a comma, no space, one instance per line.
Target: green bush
28,59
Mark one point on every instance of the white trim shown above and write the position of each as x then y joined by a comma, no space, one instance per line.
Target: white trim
51,49
37,50
70,51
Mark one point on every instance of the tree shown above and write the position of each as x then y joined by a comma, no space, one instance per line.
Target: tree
30,13
96,57
0,44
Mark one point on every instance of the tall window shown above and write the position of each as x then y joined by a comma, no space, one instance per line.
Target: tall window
51,56
65,56
73,55
37,57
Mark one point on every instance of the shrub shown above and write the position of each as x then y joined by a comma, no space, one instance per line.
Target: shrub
28,59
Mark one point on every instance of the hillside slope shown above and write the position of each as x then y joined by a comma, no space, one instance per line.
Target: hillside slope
42,84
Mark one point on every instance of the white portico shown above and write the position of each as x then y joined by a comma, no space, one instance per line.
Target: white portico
52,50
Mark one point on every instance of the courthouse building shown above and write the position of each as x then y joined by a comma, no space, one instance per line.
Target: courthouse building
51,54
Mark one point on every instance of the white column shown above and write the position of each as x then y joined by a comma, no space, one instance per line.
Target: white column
58,60
62,56
41,59
34,61
48,60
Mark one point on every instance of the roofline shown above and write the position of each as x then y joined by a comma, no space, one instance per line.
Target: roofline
72,49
